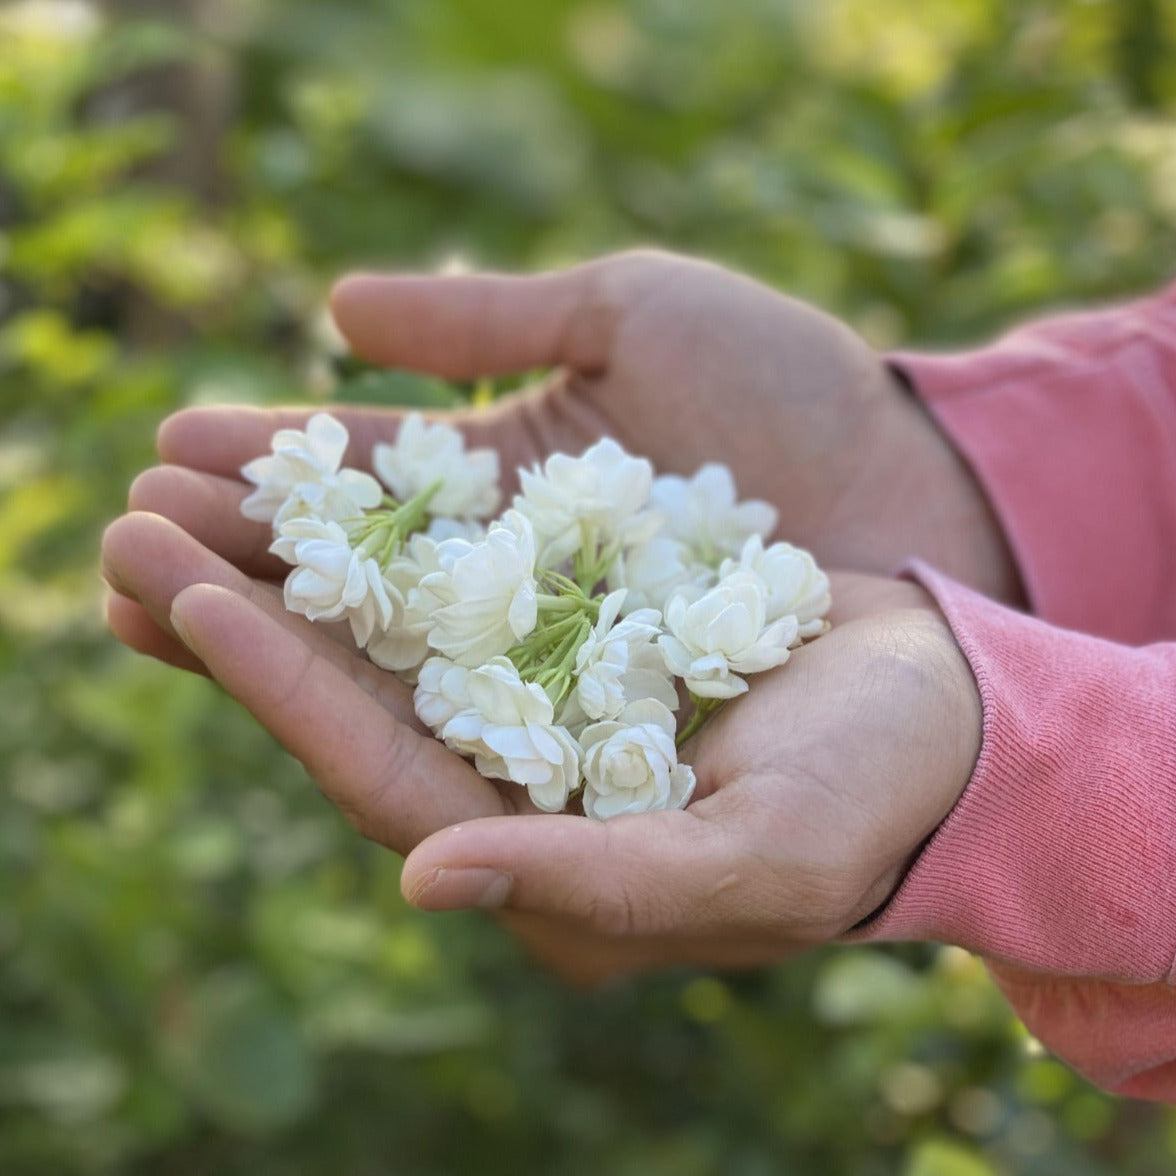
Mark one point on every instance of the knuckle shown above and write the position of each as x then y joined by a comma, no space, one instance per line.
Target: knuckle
628,903
289,694
373,811
145,490
612,910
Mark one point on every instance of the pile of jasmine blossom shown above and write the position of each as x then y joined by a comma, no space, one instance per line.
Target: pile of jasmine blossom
546,643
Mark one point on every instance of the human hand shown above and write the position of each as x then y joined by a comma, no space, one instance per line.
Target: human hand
351,724
814,791
680,360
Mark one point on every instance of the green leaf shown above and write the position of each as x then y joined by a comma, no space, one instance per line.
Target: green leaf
240,1054
864,986
405,389
940,1157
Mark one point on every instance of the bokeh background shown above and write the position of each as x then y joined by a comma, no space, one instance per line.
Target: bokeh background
202,968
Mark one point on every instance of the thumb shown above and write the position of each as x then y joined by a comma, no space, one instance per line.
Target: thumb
661,873
465,325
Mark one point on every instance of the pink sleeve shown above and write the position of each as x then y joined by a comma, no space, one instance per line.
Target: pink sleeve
1058,864
1070,426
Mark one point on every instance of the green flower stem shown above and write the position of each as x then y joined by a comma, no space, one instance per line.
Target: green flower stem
566,616
563,657
556,677
591,564
583,583
586,559
551,605
703,709
391,547
532,653
562,585
382,533
414,514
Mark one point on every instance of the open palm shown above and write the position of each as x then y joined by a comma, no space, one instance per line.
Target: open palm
814,789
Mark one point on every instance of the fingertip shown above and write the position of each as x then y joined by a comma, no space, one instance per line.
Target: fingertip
145,492
169,437
340,298
351,300
123,617
195,601
120,546
219,438
134,627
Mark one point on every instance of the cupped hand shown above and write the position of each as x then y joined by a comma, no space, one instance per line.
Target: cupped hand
351,724
682,361
815,789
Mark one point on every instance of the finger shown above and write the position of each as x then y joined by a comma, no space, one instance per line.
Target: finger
151,560
395,785
521,428
133,625
663,873
208,507
463,326
221,439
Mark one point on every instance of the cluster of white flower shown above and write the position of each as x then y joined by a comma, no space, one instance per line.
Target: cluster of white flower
545,644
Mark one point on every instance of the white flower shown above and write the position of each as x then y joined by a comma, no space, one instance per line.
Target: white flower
425,454
703,513
722,633
441,528
403,644
619,663
332,581
593,500
483,599
440,693
631,763
302,478
508,728
653,571
795,586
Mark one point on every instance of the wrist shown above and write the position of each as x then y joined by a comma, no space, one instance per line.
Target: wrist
965,538
926,502
945,749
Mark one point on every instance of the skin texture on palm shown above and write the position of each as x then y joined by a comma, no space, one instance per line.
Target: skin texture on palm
812,799
814,789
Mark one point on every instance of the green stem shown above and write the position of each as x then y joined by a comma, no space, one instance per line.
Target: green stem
561,583
564,654
703,709
412,515
550,604
382,533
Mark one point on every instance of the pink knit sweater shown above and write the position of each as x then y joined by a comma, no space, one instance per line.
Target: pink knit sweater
1058,864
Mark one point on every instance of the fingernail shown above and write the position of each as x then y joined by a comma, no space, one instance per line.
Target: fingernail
177,623
447,890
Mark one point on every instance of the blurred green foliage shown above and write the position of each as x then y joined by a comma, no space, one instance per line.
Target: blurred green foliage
201,967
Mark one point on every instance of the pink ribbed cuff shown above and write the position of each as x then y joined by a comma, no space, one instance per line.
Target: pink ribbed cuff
1061,854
